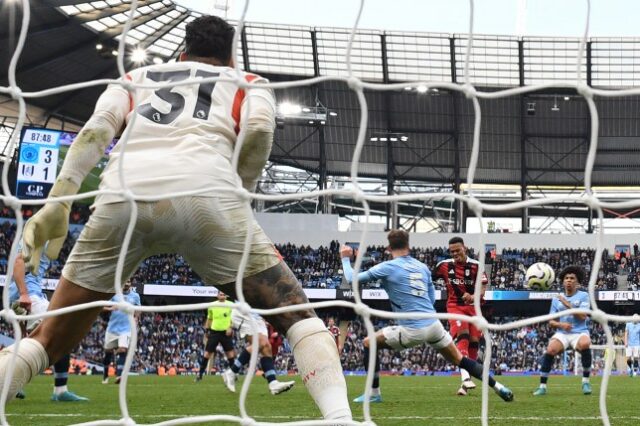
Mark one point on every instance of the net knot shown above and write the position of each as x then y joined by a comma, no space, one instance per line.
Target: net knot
475,205
592,202
599,316
481,323
243,195
354,83
469,91
584,89
12,202
125,307
243,308
16,92
127,85
247,421
9,315
361,309
127,421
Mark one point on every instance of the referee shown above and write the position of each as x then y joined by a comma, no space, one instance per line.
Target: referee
219,331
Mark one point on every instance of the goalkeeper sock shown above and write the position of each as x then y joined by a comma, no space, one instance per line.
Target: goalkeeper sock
61,374
586,364
108,357
31,360
269,370
318,362
242,360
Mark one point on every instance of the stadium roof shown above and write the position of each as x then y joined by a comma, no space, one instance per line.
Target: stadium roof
414,134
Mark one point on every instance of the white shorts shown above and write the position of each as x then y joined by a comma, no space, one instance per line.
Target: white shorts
400,337
113,341
208,232
632,351
570,339
242,324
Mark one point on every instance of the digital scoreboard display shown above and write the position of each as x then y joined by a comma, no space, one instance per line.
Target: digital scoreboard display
37,162
40,157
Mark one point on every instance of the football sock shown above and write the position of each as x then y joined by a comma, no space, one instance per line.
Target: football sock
266,363
545,368
635,364
376,371
231,361
61,374
586,363
462,343
108,357
475,370
316,356
629,362
31,360
242,360
473,350
120,358
203,366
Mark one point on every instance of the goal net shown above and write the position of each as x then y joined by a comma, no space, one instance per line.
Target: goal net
357,85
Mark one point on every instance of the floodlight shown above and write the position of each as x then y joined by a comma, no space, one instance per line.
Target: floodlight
287,109
157,60
422,89
138,55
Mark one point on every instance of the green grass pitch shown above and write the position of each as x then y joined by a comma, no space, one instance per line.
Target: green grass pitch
407,401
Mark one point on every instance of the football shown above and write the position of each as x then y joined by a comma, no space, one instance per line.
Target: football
540,276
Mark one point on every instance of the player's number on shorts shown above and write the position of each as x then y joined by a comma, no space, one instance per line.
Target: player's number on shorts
417,285
176,100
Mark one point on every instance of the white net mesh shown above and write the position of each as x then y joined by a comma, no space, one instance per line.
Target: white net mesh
357,85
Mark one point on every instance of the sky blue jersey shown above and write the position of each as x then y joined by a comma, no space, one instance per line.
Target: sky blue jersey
32,282
633,334
408,283
579,300
119,321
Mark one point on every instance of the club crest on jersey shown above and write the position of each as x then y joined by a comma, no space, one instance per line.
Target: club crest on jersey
156,117
467,272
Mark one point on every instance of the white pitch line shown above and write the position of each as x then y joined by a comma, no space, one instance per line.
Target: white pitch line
548,418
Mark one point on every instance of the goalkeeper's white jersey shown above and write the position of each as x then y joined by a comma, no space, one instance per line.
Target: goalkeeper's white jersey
183,136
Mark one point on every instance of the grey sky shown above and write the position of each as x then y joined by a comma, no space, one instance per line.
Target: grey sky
564,18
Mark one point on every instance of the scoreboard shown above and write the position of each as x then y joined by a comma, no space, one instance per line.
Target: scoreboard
37,162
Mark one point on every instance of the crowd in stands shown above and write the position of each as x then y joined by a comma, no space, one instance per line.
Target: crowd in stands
175,340
321,267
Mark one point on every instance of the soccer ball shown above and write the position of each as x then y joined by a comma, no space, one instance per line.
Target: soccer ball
540,276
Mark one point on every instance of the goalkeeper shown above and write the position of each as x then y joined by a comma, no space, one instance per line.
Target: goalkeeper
182,139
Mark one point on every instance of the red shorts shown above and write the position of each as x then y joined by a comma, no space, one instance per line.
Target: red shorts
456,326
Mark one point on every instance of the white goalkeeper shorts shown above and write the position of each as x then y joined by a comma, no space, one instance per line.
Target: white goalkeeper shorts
114,341
569,339
400,337
632,351
208,232
244,326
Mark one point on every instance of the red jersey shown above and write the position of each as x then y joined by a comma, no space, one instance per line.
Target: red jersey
460,278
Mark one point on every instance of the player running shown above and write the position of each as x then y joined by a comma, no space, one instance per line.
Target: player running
118,334
408,283
459,275
632,346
